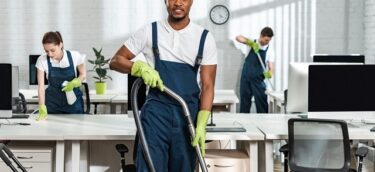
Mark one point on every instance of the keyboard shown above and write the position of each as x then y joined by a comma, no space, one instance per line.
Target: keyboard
20,116
225,129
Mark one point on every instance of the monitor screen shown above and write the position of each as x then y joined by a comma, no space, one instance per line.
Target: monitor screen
33,71
6,87
354,58
298,82
341,88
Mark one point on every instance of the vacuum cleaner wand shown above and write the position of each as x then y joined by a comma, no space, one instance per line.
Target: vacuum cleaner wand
264,70
142,138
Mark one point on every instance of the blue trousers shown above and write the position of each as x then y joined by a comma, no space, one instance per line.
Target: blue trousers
250,87
168,138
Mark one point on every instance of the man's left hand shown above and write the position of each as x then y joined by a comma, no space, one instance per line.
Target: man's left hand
267,74
200,131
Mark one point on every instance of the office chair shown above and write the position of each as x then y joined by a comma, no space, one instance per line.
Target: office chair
319,145
122,150
86,97
285,100
19,104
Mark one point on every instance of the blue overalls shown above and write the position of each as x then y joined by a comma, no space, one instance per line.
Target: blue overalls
252,83
162,117
56,101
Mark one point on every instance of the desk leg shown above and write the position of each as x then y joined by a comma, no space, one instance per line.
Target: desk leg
265,156
95,108
232,108
76,147
124,108
253,156
60,146
113,108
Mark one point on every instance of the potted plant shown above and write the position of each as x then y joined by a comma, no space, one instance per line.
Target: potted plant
101,70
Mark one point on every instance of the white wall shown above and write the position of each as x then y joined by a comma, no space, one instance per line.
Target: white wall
339,27
369,31
302,27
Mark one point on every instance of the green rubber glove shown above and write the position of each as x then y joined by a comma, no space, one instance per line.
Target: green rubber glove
42,113
254,46
76,82
200,131
267,74
149,75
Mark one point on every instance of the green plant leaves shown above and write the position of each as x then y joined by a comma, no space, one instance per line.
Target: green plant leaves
99,65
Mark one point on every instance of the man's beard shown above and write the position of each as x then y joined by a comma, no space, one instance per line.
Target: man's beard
177,19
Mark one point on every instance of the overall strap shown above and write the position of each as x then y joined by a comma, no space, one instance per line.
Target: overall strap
155,48
71,65
49,67
198,60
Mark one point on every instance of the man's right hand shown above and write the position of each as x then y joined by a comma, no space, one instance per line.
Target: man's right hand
42,113
254,46
149,75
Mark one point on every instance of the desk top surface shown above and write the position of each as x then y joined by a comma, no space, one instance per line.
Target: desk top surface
275,126
221,96
98,127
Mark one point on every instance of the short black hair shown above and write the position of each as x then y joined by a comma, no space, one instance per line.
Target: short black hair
267,31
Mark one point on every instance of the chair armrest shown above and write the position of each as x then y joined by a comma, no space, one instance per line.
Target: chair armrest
284,149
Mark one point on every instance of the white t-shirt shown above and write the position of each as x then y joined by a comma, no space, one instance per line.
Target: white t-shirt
176,46
270,56
78,59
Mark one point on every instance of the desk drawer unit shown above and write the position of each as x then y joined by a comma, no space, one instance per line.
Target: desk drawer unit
224,160
34,158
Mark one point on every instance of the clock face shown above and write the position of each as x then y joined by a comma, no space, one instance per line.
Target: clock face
219,14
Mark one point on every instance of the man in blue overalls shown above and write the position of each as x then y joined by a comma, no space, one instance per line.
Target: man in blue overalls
252,77
177,51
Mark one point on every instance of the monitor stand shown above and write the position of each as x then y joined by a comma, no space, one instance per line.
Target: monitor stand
5,114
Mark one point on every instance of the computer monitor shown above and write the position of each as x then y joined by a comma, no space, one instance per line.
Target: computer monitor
15,81
297,87
33,80
326,58
6,90
297,97
341,91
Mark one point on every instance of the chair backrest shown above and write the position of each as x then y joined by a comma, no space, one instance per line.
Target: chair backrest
285,100
86,98
19,104
318,145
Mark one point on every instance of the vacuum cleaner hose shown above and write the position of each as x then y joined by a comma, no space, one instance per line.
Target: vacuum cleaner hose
134,92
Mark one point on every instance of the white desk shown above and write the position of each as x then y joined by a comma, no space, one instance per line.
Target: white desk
77,128
226,98
249,140
222,98
121,100
275,101
30,97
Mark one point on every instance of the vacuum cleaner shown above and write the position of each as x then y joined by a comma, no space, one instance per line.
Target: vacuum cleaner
134,92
